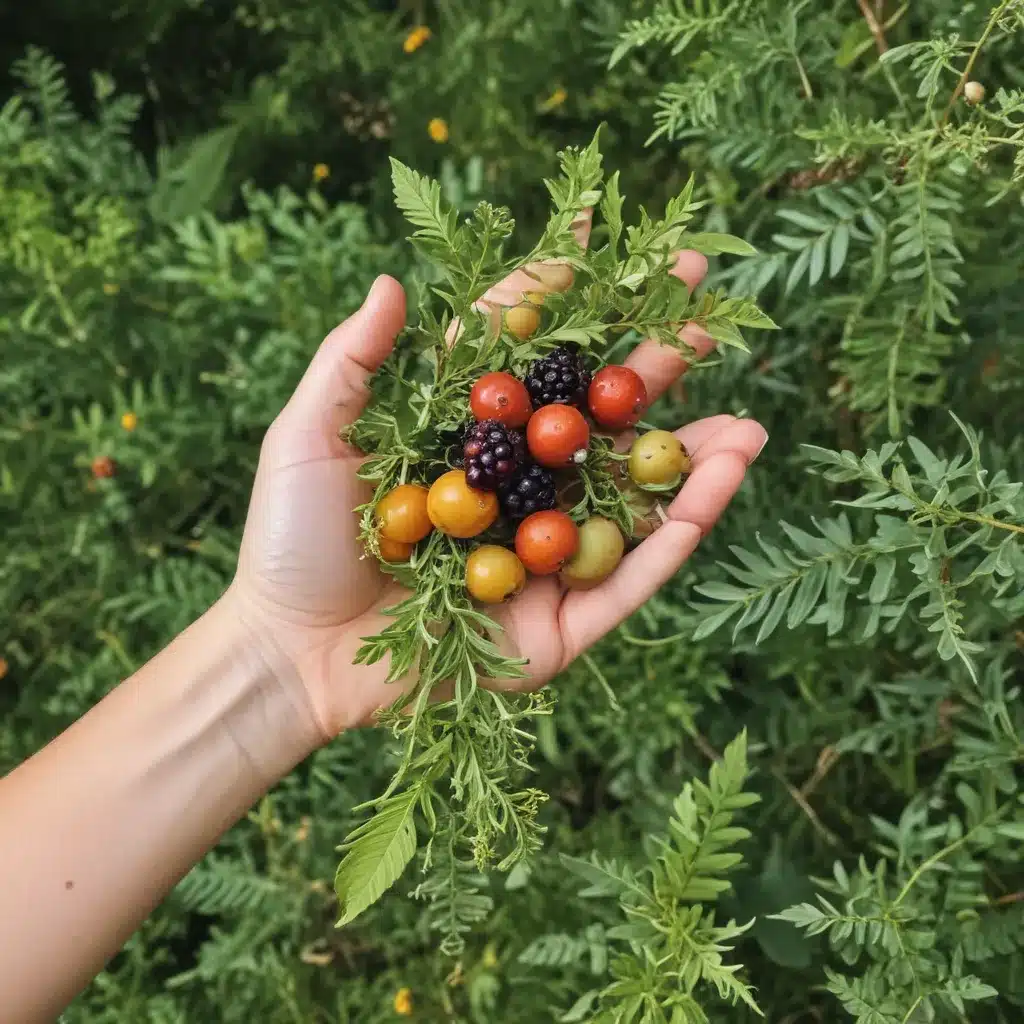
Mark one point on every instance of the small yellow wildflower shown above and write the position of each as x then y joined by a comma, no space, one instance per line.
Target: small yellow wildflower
556,99
438,129
110,288
416,38
4,667
403,1002
320,172
129,421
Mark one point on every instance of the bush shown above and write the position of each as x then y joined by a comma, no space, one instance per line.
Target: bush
846,639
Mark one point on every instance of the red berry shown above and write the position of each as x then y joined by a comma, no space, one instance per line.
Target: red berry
617,397
545,541
103,467
557,436
499,396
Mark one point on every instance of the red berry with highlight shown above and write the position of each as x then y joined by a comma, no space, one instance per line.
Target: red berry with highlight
617,397
558,436
499,396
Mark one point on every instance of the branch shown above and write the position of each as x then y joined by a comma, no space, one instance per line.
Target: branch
873,24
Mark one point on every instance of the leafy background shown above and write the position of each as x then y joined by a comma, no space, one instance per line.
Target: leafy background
170,255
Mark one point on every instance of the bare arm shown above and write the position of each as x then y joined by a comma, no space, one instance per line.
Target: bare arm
98,826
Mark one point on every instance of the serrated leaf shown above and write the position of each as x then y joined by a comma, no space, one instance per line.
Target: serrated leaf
377,853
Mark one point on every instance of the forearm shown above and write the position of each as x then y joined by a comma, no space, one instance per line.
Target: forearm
100,825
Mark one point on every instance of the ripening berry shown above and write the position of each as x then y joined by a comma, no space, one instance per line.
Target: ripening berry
402,514
974,93
545,541
103,467
601,546
617,396
4,667
494,574
500,396
522,320
657,458
459,510
558,436
394,550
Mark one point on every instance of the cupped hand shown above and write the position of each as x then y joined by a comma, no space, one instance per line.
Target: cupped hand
310,594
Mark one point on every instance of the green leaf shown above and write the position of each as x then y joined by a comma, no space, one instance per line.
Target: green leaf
377,853
713,244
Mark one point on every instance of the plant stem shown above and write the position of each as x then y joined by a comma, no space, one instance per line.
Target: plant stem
989,521
943,853
992,21
876,29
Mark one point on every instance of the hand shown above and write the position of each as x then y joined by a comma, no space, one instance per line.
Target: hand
310,594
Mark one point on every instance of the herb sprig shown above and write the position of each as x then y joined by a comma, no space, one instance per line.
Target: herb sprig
463,756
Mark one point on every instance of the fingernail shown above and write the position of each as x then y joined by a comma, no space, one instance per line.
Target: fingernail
761,449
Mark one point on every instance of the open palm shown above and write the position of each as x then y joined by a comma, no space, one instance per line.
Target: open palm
309,592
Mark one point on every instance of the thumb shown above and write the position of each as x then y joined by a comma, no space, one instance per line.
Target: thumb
333,391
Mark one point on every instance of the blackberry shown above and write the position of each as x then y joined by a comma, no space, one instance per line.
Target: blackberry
560,378
491,454
531,489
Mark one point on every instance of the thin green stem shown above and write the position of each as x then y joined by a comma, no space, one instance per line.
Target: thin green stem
942,854
989,521
992,22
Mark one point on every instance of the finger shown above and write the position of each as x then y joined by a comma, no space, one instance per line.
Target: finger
718,468
658,364
695,435
545,276
587,615
333,391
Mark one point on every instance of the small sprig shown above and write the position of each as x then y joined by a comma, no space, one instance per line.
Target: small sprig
476,743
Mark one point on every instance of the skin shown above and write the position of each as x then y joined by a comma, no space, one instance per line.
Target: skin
97,827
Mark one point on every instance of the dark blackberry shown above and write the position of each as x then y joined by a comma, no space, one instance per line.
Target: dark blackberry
531,489
492,452
560,378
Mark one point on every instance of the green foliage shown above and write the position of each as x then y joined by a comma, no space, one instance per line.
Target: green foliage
477,738
165,250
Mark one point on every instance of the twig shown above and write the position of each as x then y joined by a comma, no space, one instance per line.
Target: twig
801,801
874,25
826,759
1010,897
992,22
704,747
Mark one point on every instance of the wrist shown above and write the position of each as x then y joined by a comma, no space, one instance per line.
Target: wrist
267,709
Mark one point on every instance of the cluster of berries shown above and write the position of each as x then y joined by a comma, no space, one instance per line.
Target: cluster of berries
523,433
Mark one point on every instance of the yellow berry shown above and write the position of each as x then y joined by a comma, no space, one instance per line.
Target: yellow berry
522,320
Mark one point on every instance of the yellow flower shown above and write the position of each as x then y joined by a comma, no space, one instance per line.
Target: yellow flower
129,421
416,38
320,172
110,288
556,99
438,129
403,1002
